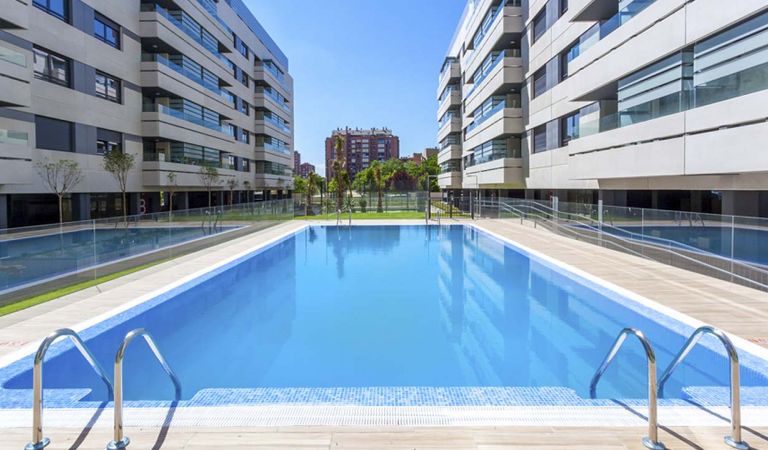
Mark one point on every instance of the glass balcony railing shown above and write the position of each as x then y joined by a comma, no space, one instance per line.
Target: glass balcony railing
162,157
479,120
601,30
277,98
487,68
492,153
448,142
274,120
13,57
189,30
482,33
283,149
192,75
187,117
277,73
446,119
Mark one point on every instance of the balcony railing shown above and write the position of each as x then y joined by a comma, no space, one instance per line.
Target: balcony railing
491,154
187,117
601,30
479,120
283,149
192,75
187,29
277,73
276,97
277,122
486,69
486,26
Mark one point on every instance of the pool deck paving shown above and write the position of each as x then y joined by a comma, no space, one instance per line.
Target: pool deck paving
736,309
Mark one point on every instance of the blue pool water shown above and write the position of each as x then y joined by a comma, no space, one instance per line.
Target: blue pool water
389,308
33,259
749,244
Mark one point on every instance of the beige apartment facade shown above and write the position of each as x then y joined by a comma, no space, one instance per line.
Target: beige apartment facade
648,103
177,84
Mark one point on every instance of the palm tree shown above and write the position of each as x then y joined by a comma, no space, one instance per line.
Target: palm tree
313,182
339,169
379,182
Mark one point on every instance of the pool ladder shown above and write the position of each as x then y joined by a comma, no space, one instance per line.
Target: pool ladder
39,441
652,440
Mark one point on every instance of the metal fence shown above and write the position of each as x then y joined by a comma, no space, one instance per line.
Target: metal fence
42,258
728,247
364,203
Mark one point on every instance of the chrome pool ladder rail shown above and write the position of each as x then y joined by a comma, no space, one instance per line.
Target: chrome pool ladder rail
121,441
734,439
652,440
38,440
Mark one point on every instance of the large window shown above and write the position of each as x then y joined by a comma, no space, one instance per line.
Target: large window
51,67
540,138
539,24
106,30
108,87
569,128
53,134
540,82
58,8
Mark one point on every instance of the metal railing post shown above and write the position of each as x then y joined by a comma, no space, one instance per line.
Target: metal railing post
652,440
38,440
121,441
734,439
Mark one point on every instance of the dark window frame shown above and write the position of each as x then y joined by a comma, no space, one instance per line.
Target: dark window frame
539,74
119,89
540,18
47,76
45,5
107,24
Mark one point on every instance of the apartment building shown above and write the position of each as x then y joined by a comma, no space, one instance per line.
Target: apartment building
305,169
296,161
178,84
647,103
361,147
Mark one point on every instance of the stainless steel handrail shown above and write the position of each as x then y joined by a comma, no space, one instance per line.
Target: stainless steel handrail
652,440
734,440
120,440
38,440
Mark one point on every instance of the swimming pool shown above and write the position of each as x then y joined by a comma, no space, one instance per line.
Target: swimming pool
33,259
387,315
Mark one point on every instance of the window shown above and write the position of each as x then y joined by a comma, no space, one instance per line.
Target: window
540,82
569,128
58,8
540,138
243,77
563,6
107,87
245,108
245,136
53,134
240,46
539,24
51,67
107,141
106,30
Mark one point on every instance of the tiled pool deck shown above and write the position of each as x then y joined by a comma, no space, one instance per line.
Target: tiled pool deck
736,309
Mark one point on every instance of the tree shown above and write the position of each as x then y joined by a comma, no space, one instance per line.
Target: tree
60,177
247,186
171,177
378,182
231,184
402,181
340,174
119,164
299,185
313,183
209,177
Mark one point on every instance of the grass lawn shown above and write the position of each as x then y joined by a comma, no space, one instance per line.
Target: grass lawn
53,295
368,216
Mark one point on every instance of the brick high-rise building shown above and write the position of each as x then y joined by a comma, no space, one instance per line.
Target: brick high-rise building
296,162
361,147
305,169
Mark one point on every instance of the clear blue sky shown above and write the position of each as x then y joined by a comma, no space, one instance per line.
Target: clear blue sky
362,63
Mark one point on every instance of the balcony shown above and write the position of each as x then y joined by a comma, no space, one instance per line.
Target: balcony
270,100
267,71
186,72
504,27
153,13
449,126
505,73
450,73
273,127
503,173
451,99
449,180
498,122
449,152
155,173
15,90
